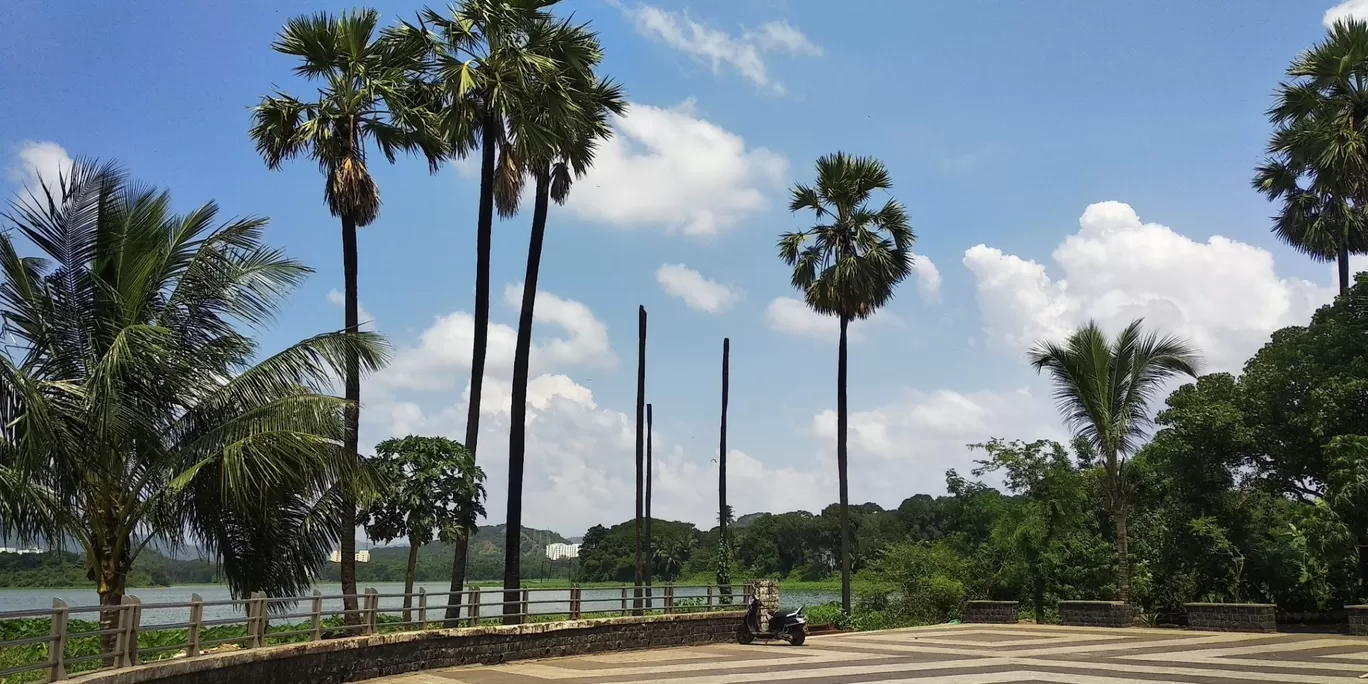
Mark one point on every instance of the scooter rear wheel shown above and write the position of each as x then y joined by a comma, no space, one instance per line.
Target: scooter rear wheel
797,636
743,635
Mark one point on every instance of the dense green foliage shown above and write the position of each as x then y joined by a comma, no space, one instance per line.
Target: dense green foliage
65,569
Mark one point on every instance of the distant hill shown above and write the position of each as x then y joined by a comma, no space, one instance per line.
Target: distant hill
747,519
485,561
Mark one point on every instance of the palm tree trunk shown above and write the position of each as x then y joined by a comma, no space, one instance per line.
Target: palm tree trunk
484,230
650,541
1122,554
408,577
1342,261
640,453
111,582
353,391
722,446
1363,564
841,424
517,431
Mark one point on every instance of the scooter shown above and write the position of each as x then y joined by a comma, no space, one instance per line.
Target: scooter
788,625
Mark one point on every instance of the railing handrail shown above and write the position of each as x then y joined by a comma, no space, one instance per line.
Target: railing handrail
254,615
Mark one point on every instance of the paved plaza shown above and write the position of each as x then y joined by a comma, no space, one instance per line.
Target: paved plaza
957,654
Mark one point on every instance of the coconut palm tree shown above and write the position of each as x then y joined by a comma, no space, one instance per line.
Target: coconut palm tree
486,54
1318,155
1105,389
141,411
365,99
847,266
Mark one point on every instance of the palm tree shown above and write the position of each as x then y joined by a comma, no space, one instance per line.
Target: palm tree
141,412
650,541
639,564
1318,155
365,98
673,554
552,135
1104,388
847,266
722,445
486,53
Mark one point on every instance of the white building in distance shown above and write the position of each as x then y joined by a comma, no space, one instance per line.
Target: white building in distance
558,551
362,556
20,552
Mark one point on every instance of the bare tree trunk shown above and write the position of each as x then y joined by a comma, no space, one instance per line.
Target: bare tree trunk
484,230
722,446
640,452
408,577
1122,553
650,540
1342,259
349,446
517,431
841,465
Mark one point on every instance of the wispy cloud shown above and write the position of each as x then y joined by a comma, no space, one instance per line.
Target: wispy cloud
744,52
1349,9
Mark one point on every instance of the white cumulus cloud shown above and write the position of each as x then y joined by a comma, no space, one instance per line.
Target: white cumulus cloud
928,279
699,293
793,316
744,52
668,168
1349,9
1222,295
39,161
336,298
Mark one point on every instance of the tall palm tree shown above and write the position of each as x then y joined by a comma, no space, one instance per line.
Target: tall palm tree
486,56
722,445
650,541
639,564
142,412
1105,389
552,136
364,99
847,266
1318,154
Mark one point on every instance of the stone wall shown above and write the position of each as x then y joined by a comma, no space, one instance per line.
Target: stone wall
1358,619
1095,614
1232,617
996,612
768,593
359,658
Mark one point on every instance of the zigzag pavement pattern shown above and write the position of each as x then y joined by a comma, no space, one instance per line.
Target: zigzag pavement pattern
957,654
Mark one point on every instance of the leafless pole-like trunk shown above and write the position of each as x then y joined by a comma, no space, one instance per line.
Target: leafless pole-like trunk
640,453
650,540
722,446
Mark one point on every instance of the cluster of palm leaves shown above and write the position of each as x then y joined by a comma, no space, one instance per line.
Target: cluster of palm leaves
1318,154
506,77
138,406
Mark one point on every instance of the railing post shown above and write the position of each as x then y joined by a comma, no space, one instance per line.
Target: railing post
372,608
524,607
574,602
624,601
192,633
316,619
473,596
709,605
422,608
56,670
256,620
132,615
669,599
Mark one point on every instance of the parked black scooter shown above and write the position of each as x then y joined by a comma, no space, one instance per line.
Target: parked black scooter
788,625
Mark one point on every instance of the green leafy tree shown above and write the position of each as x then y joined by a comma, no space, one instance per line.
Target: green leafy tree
1318,163
672,553
432,490
848,266
364,99
1104,389
142,412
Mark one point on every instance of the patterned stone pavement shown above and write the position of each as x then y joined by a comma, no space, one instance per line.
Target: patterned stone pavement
960,654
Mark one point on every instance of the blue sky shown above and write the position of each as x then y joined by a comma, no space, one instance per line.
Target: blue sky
1059,161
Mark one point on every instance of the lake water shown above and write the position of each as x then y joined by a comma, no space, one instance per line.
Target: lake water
556,600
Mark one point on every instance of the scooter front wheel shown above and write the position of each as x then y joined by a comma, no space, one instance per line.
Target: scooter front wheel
797,635
743,635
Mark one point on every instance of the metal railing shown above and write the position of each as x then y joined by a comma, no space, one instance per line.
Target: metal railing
146,632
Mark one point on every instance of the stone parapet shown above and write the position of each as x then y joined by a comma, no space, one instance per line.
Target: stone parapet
994,612
1357,616
1095,614
359,658
1232,617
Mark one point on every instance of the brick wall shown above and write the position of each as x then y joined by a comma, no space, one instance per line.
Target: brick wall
359,658
1358,619
1232,617
996,612
1095,614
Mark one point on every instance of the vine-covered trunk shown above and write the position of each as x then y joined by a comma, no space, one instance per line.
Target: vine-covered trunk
484,233
408,578
1038,597
841,467
353,393
517,431
722,446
